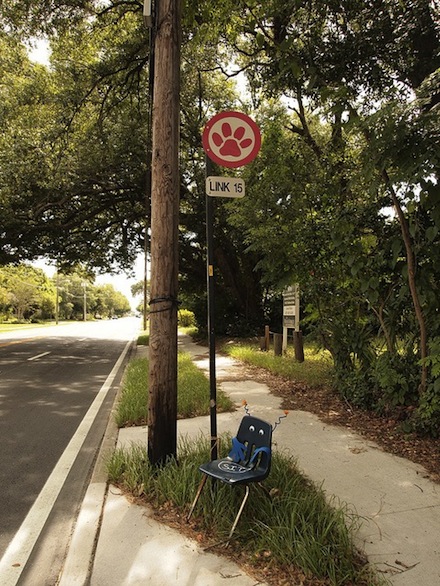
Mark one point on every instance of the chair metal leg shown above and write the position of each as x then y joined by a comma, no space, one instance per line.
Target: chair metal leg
243,502
199,492
226,541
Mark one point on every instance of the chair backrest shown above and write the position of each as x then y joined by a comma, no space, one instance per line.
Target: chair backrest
254,439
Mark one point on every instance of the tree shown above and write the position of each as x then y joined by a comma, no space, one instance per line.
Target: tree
91,154
345,67
73,154
27,292
77,292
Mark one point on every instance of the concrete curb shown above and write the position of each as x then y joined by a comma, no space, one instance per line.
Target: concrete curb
79,560
77,567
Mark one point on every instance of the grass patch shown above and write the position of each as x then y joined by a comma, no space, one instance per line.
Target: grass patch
132,408
192,392
295,533
317,368
144,338
189,330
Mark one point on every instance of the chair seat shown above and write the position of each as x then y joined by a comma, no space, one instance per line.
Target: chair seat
249,458
232,472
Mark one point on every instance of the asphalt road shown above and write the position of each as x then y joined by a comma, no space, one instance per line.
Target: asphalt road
55,399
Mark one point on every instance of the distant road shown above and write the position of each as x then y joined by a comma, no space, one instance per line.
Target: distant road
49,379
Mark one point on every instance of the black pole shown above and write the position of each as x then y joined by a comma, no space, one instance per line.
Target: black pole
211,324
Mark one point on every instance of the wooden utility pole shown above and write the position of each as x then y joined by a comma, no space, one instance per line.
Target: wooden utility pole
162,411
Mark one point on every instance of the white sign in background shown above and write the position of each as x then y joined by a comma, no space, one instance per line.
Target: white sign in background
290,311
225,187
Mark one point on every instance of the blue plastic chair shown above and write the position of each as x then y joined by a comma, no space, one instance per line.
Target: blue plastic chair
248,461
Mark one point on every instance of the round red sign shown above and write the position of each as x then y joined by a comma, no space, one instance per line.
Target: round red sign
231,139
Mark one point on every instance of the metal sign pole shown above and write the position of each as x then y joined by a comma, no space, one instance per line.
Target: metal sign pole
216,133
211,307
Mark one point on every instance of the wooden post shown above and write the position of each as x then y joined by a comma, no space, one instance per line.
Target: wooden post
278,344
297,334
148,20
267,338
298,346
162,410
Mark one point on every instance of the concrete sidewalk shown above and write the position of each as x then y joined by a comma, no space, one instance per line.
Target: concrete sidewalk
118,543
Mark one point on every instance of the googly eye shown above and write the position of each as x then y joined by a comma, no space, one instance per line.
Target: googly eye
261,432
251,428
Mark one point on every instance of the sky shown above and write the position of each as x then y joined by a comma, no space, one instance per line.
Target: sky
39,51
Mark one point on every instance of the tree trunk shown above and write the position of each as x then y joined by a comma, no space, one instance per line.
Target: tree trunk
411,263
162,410
412,266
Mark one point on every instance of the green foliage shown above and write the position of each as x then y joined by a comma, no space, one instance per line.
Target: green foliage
426,419
77,288
192,392
186,318
297,528
434,357
316,369
397,379
356,387
26,293
73,152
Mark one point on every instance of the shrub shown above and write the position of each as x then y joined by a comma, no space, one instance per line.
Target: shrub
186,318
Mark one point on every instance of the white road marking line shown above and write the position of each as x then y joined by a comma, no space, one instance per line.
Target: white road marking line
38,356
21,546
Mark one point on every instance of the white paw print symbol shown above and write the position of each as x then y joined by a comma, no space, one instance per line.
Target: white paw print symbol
231,139
231,143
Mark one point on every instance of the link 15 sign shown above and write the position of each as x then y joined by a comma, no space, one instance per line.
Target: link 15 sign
225,186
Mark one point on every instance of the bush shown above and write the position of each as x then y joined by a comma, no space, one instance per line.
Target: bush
397,378
357,387
186,318
426,419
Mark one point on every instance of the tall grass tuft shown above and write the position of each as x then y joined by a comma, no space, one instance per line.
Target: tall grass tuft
132,408
192,392
296,528
316,369
144,338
